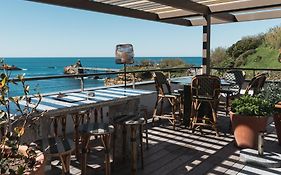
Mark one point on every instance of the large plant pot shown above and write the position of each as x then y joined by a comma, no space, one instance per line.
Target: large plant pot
277,121
39,166
246,129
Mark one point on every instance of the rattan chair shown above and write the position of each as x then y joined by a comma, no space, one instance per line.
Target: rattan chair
205,90
164,93
256,84
57,144
236,80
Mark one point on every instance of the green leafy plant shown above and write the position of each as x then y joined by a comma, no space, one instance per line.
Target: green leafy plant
272,93
12,160
251,106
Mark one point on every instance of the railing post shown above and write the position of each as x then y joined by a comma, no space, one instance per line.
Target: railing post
134,82
169,77
82,83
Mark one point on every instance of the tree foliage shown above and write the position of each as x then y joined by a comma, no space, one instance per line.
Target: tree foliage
245,44
218,55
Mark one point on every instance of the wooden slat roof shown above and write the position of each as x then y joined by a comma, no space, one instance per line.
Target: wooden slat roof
181,12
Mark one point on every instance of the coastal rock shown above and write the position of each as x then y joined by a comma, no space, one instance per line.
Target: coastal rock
70,70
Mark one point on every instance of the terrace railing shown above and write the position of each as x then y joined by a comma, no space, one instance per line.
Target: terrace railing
80,79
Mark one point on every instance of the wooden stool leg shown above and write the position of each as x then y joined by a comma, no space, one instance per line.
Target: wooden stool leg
65,161
63,125
124,142
141,144
85,140
106,143
146,127
114,142
133,150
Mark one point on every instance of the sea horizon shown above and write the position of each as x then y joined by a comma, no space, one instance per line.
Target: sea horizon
52,66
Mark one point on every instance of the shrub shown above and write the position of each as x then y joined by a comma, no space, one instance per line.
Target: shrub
251,106
273,37
167,63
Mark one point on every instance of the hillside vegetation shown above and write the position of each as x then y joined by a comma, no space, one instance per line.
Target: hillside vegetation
260,51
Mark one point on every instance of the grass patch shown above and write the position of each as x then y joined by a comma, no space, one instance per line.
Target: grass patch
264,58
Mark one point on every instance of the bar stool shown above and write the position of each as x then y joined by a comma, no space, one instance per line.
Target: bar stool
82,117
133,124
89,123
101,131
58,145
205,90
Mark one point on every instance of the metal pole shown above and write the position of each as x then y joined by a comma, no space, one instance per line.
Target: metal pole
134,82
260,143
125,75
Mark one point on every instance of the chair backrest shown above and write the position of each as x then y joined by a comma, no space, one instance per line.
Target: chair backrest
256,84
205,86
237,77
161,83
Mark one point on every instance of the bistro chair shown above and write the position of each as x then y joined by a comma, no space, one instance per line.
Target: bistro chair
256,84
232,91
164,93
57,144
205,90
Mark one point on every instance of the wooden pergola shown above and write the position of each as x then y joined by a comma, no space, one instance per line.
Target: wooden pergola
183,12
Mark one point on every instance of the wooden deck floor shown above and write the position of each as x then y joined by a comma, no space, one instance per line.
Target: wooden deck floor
177,152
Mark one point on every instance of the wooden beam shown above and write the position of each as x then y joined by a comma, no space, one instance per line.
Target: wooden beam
111,9
185,5
189,5
263,15
240,6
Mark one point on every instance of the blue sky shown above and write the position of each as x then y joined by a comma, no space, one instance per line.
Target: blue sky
30,29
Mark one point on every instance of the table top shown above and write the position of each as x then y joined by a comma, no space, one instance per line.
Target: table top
66,101
188,79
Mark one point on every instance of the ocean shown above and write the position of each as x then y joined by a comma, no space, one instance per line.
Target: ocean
35,67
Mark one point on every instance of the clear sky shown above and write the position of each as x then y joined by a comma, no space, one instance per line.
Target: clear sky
29,29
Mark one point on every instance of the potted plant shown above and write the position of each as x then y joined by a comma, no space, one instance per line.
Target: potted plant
272,92
249,116
15,157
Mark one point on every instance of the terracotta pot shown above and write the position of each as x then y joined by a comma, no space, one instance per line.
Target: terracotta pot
38,169
277,121
246,129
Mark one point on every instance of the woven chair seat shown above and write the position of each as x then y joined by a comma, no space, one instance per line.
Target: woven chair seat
96,128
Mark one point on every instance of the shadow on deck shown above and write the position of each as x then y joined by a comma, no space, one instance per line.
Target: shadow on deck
177,152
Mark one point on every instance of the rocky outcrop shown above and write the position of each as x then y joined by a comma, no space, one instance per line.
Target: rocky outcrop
72,69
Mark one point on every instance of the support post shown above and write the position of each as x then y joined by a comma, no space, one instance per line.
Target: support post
125,74
206,56
82,83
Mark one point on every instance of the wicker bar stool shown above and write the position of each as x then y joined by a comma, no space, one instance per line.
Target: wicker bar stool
164,93
89,123
101,131
58,145
133,123
205,90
